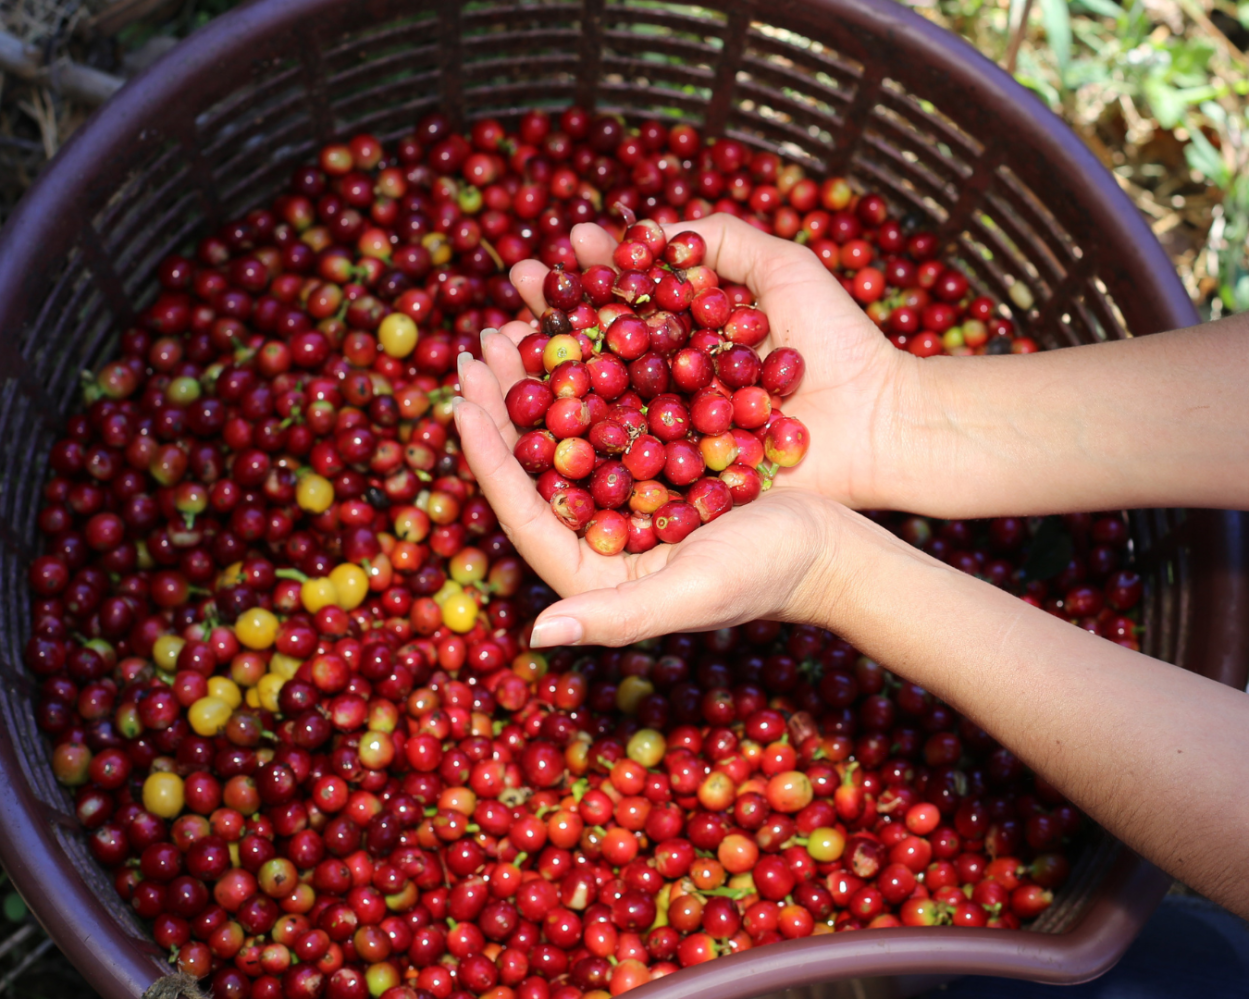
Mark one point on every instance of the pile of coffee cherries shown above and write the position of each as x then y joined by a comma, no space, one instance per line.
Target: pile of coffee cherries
281,644
612,344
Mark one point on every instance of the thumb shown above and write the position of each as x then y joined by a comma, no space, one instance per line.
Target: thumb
681,596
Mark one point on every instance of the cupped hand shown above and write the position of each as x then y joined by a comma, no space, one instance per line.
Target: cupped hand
769,559
857,388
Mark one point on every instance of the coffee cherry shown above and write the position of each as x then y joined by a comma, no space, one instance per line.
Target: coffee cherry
397,335
786,442
275,604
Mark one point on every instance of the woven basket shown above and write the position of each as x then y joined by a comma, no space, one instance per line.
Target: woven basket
861,87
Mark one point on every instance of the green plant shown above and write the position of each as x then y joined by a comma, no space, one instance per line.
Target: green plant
1160,93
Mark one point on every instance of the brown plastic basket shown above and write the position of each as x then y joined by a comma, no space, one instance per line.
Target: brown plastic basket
861,87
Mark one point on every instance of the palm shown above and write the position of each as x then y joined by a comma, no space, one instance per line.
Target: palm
709,573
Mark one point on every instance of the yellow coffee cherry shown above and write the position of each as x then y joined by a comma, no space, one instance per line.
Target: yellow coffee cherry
826,844
162,795
252,698
267,690
439,248
449,589
318,593
459,612
225,690
397,334
208,716
380,977
560,349
633,690
231,575
647,747
165,652
256,628
352,584
283,665
469,565
314,493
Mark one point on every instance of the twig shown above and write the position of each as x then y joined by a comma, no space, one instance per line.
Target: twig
26,146
77,82
44,113
16,938
26,962
119,14
1016,39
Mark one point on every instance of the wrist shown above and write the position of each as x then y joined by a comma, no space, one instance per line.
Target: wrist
911,436
835,583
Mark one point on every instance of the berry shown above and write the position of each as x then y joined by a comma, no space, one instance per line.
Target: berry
280,642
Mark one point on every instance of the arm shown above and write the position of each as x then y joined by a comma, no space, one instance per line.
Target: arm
1154,753
1157,755
1152,421
1149,421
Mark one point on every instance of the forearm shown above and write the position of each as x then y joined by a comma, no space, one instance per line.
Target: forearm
1157,755
1152,421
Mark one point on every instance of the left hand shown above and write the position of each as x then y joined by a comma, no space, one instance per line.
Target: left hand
769,559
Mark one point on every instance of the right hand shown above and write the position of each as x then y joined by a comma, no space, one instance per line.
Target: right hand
856,385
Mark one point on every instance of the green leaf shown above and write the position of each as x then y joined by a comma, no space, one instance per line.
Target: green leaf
1190,57
1240,295
1086,71
1050,551
1057,20
1102,8
1215,113
1039,87
1205,159
14,907
1166,103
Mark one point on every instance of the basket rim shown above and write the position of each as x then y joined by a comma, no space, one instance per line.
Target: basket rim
34,237
121,966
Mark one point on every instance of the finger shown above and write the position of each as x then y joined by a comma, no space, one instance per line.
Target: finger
548,546
515,331
527,277
503,359
479,385
593,244
740,253
787,280
685,594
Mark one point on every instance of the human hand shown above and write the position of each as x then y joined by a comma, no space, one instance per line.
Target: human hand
855,380
769,559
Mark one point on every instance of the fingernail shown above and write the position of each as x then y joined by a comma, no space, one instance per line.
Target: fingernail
456,402
487,333
462,361
556,631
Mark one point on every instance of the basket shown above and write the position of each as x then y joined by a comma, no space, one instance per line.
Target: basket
860,87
